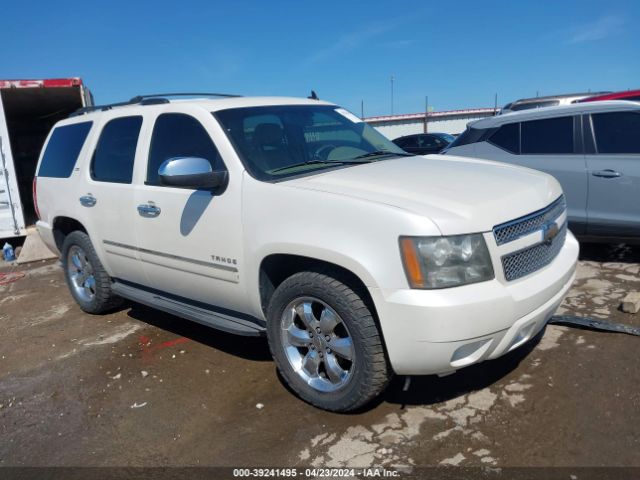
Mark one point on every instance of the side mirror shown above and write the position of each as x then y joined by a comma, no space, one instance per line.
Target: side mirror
191,172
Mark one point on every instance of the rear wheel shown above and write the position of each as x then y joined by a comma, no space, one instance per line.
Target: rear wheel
325,342
88,281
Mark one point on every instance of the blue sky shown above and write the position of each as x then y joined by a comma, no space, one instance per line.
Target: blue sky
458,53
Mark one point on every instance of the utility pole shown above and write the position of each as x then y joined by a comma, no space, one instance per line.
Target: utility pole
426,113
361,108
495,105
392,94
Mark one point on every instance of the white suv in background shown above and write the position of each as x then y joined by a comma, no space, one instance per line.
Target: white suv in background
295,219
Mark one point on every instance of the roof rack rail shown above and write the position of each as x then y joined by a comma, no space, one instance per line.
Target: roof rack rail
139,98
153,99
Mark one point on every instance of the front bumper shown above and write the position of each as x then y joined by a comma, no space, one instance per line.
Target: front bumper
440,331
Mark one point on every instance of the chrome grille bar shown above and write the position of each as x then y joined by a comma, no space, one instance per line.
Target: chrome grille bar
510,231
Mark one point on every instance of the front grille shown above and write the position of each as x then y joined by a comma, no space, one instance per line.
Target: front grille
530,259
509,231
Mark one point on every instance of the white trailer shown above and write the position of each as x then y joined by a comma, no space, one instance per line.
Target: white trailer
28,110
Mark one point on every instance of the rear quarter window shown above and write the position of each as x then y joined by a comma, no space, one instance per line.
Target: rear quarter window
61,153
469,136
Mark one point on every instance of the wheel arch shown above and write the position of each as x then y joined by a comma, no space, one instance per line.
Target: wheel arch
63,226
277,267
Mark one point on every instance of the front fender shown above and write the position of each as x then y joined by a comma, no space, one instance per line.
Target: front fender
358,235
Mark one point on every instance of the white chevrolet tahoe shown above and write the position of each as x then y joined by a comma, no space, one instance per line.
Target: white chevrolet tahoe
295,219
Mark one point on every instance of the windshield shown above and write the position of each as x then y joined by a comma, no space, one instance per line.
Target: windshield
280,141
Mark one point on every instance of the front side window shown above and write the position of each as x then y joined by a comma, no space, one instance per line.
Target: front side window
63,149
280,141
179,135
617,132
548,136
431,141
116,151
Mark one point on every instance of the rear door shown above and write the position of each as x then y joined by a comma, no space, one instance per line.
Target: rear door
106,202
11,220
614,174
8,224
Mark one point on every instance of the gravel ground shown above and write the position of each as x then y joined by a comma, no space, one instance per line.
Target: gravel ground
142,388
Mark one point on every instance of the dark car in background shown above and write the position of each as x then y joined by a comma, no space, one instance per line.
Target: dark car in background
424,143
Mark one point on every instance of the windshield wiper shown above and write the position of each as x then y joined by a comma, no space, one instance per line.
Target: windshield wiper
379,153
320,162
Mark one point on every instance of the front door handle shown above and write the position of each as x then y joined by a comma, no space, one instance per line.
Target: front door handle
148,210
608,173
88,200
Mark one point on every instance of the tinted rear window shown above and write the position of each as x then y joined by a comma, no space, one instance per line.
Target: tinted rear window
470,135
548,136
507,137
617,132
62,151
116,150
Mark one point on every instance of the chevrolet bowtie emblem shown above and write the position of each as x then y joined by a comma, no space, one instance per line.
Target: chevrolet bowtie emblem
549,232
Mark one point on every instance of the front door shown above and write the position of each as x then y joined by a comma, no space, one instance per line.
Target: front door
190,241
614,175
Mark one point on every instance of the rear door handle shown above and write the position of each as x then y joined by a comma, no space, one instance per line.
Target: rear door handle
148,210
608,173
88,200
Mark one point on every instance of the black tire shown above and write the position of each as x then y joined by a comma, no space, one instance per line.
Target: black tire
103,298
370,371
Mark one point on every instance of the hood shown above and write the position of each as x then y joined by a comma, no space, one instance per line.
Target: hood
460,195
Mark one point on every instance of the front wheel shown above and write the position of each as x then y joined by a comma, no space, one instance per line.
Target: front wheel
325,342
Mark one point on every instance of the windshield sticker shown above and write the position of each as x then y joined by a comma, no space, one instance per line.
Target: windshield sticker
348,115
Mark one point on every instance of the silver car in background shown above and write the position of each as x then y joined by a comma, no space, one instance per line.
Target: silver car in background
547,101
593,150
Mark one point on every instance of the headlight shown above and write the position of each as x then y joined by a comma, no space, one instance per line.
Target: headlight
441,262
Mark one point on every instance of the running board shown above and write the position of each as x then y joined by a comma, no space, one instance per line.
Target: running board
239,325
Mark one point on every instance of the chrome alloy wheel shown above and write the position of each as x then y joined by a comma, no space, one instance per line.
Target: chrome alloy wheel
317,344
81,275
